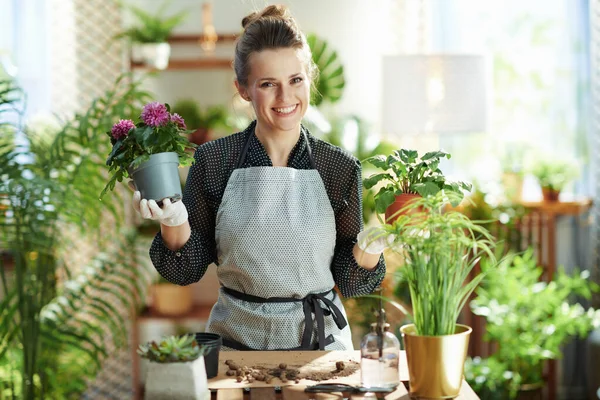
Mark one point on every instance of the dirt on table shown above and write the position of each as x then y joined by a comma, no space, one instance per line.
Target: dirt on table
285,372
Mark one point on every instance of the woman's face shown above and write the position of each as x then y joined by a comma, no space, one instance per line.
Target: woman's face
278,87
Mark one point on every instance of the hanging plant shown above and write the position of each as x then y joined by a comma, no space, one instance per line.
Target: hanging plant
330,82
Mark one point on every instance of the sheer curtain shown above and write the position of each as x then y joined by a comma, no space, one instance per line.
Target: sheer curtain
541,104
541,59
24,45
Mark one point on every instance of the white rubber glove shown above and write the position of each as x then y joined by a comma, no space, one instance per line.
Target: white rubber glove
171,214
374,240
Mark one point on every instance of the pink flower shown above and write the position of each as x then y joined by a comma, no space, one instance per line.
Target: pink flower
121,128
155,114
178,119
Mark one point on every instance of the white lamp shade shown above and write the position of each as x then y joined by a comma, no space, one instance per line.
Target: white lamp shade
434,93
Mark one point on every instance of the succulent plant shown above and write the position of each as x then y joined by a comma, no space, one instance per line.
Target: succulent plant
171,349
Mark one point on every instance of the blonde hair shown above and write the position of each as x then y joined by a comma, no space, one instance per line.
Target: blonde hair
272,28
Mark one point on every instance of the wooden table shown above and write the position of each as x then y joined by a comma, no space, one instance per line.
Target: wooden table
227,388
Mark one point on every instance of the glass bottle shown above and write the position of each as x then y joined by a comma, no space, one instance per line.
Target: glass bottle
379,356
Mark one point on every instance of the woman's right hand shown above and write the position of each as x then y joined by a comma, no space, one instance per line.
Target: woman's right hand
170,214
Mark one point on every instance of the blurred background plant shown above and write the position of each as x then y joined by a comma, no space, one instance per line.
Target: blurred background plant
151,27
60,320
529,319
204,122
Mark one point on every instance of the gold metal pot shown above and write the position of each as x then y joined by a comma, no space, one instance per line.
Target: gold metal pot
435,363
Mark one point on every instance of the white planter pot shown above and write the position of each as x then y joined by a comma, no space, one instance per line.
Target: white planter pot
156,54
136,53
185,381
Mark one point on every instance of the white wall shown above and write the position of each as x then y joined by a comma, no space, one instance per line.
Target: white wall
360,30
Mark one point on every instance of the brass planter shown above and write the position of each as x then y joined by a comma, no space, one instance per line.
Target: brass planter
435,363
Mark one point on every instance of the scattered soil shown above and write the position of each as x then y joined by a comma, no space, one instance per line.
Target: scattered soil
286,372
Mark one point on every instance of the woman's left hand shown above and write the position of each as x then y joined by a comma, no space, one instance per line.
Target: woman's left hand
374,240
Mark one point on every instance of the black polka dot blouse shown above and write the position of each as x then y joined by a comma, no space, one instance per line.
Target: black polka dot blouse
207,179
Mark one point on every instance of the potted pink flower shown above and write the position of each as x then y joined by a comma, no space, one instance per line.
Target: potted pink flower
150,152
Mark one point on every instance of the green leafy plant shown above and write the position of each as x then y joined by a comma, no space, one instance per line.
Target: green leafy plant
554,174
406,173
52,309
330,82
440,249
531,319
170,349
158,131
151,28
211,117
490,379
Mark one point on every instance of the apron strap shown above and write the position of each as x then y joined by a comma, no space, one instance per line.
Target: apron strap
310,305
234,344
242,157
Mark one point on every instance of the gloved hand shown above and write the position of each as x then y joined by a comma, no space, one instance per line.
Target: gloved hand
170,214
374,240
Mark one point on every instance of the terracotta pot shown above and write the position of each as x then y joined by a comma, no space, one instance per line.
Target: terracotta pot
201,136
394,211
550,195
170,299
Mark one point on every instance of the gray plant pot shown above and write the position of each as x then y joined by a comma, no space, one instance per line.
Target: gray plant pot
158,178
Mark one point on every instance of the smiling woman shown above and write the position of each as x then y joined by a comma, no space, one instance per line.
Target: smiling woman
278,210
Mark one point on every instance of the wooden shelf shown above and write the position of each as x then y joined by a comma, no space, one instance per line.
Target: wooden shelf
179,65
209,61
225,37
198,312
576,207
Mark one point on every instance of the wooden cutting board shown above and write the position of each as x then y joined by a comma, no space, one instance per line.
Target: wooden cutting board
305,361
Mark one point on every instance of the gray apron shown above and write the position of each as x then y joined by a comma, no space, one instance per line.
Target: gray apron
275,233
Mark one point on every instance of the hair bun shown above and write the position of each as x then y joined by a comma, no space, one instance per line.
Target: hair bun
279,11
248,19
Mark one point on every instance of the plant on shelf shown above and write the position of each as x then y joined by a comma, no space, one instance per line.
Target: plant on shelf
530,319
406,177
176,369
440,248
202,123
154,147
170,299
553,174
57,315
149,34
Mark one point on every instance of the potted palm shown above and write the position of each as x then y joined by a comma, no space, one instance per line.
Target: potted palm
202,122
149,35
150,153
176,369
440,248
60,320
530,320
407,177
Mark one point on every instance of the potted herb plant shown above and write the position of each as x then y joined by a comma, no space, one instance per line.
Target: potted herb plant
150,153
150,33
201,122
176,369
553,175
407,177
530,319
440,248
